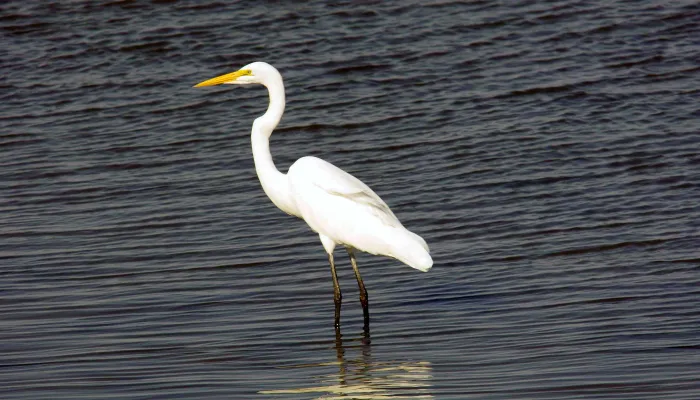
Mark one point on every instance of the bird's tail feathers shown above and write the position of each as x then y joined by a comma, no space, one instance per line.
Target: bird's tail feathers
410,249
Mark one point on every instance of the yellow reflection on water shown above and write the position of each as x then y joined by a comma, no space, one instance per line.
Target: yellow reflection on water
363,378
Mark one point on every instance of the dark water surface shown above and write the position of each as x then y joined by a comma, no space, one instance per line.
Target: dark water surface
549,152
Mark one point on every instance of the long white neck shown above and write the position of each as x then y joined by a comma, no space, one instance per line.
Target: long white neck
274,183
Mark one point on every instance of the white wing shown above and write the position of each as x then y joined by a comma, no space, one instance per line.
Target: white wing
336,182
344,210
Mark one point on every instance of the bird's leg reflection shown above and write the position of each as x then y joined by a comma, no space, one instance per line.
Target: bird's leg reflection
360,376
363,363
337,296
366,341
340,356
364,299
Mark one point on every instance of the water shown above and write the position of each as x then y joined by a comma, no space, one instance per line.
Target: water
547,151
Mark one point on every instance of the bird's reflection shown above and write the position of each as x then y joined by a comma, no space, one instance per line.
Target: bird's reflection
361,377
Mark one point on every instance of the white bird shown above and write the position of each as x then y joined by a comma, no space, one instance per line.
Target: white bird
336,205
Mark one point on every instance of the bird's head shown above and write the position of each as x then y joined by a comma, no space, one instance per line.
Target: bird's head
257,72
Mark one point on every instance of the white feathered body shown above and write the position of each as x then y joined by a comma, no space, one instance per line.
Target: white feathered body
343,209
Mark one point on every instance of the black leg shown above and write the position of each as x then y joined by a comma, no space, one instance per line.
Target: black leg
337,296
364,299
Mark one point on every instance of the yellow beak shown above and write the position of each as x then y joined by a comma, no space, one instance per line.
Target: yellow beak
224,78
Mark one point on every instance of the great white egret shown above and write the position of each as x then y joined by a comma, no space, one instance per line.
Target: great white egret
336,205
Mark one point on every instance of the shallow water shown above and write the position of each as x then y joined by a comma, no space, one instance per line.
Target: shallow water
547,152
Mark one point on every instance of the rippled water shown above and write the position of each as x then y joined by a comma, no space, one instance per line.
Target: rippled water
547,151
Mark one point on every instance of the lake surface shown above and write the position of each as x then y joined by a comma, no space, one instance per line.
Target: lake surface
548,152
